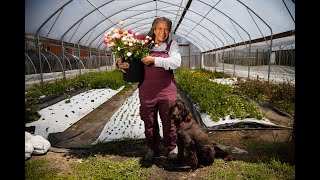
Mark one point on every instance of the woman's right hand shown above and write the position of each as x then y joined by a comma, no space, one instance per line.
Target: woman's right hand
122,65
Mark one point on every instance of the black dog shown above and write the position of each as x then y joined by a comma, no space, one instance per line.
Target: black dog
191,139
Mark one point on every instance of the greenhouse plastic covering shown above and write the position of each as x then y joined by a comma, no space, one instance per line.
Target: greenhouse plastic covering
208,24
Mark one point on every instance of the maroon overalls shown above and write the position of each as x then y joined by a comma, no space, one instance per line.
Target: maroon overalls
157,92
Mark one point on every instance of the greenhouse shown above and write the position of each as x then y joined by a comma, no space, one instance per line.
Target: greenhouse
236,77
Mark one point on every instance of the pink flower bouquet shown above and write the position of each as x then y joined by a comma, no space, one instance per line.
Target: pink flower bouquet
128,45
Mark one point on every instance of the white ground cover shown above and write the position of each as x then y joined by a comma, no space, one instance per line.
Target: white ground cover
227,120
60,116
125,122
228,81
277,73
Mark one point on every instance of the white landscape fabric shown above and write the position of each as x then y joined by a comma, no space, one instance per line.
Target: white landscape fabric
124,123
60,116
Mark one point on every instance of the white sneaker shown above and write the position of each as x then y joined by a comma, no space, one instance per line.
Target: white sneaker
149,155
174,153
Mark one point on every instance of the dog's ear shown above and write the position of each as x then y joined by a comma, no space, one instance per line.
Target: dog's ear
172,107
184,110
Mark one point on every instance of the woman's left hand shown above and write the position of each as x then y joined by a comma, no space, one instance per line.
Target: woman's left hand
148,60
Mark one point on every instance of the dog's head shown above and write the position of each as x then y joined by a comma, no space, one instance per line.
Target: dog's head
178,112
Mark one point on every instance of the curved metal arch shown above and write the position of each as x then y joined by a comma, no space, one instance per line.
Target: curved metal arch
270,35
211,22
142,19
125,26
57,58
165,11
38,30
68,61
249,49
26,67
289,11
204,18
184,36
38,38
75,31
73,58
257,26
33,55
77,59
46,61
81,62
122,27
192,35
230,20
86,16
112,24
193,41
197,31
31,63
188,38
241,36
184,25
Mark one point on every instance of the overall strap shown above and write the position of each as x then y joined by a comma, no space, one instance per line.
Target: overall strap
168,46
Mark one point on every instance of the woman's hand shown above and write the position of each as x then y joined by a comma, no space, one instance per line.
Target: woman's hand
122,65
148,60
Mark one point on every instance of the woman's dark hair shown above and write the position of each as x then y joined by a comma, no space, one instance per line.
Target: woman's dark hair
155,22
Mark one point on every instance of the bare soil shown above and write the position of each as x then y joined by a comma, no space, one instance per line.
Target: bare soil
247,140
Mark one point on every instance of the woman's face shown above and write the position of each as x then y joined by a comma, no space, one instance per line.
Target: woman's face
161,32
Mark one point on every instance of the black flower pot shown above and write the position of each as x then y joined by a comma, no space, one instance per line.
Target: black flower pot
135,72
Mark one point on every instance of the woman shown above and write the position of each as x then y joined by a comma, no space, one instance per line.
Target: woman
158,90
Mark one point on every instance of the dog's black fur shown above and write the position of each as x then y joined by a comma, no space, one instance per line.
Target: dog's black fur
191,139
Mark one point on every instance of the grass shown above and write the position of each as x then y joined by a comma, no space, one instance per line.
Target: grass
265,151
91,168
245,170
39,169
265,161
99,167
98,164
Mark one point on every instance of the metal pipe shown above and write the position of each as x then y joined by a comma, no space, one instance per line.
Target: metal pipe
68,61
41,74
63,63
57,58
288,11
270,36
80,58
35,70
47,62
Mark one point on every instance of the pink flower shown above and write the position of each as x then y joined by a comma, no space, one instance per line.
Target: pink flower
124,42
115,36
110,44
